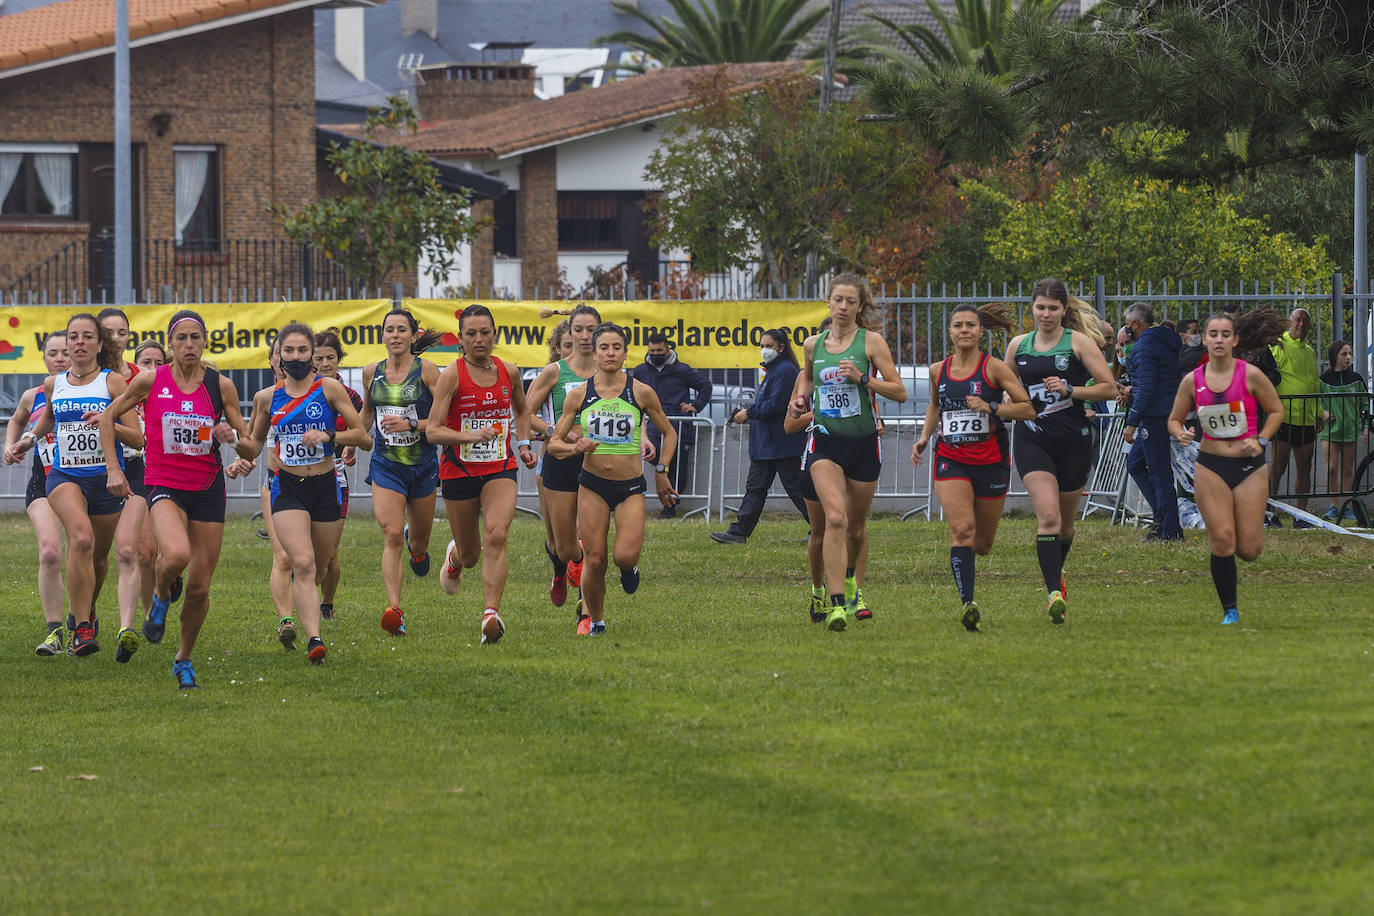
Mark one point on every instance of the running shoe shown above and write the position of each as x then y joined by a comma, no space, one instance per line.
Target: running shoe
1271,520
127,645
629,580
54,644
174,592
393,621
315,650
71,623
451,573
326,611
418,564
1231,616
861,609
971,617
575,568
818,610
493,628
1063,587
1301,523
1349,514
1058,607
83,643
185,675
286,632
584,624
837,619
851,591
598,628
558,590
1332,513
156,623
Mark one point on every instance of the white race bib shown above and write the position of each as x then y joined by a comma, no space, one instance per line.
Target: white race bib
341,472
295,453
1226,420
610,427
491,450
44,448
964,425
186,435
839,400
78,444
403,437
1054,401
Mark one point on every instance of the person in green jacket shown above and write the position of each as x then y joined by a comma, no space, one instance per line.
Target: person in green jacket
1345,415
1297,364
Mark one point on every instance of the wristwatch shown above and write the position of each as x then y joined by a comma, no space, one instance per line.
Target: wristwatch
414,424
864,380
661,468
1263,441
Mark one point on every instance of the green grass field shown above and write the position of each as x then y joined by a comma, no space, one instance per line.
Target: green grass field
716,751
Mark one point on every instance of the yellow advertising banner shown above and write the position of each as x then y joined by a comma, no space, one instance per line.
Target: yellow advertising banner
707,334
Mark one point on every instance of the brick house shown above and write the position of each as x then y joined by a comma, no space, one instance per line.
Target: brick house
574,164
222,104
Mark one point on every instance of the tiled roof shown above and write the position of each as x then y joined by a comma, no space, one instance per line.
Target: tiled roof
537,124
80,27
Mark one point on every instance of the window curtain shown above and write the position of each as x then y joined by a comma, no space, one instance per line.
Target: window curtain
9,167
55,175
191,169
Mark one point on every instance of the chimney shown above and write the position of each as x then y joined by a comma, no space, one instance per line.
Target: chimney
349,41
449,91
420,16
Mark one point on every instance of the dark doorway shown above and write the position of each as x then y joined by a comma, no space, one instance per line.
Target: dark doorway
97,174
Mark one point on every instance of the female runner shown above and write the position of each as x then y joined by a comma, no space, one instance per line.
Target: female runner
397,396
302,411
190,409
477,396
279,579
610,409
45,524
1054,450
972,461
147,357
76,483
328,354
560,347
558,475
1229,479
842,451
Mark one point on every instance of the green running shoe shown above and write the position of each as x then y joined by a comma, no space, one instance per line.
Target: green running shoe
1058,607
837,619
127,646
851,591
861,608
971,617
818,610
55,644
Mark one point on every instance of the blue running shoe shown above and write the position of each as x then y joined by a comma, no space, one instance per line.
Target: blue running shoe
598,628
418,564
185,675
156,623
1232,616
629,580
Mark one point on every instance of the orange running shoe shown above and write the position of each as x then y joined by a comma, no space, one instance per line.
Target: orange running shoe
393,621
584,624
1063,587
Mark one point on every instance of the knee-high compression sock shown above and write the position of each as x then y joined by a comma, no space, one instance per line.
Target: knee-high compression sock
961,562
1064,546
1047,551
560,567
1224,578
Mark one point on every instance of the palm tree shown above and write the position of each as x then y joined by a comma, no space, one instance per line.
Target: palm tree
971,37
727,31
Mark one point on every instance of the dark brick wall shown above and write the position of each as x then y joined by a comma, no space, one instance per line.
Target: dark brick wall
537,220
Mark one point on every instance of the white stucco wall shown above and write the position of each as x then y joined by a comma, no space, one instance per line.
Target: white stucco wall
613,161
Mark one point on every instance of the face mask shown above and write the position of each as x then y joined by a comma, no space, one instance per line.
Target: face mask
1194,340
768,354
658,359
298,369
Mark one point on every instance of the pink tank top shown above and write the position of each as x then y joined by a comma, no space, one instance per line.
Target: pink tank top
181,450
1236,396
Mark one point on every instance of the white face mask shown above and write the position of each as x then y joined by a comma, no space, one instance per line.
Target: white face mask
1194,340
768,354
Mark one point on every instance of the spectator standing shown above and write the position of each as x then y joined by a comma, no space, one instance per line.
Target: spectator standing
1343,415
1193,350
1297,436
683,391
1153,369
771,450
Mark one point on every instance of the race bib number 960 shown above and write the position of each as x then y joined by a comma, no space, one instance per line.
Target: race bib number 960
295,453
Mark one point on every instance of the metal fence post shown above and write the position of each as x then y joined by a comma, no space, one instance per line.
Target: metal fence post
1100,296
397,295
1337,306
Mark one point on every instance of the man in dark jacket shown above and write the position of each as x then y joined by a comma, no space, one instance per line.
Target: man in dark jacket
1154,372
684,391
771,451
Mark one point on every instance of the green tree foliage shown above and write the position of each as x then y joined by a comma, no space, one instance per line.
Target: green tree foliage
972,37
393,211
726,31
1311,200
766,173
1247,82
1134,229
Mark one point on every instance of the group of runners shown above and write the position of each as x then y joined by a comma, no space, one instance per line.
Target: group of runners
129,455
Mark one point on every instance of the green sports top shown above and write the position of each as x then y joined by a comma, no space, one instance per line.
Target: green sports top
842,407
409,399
1347,412
613,423
567,381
